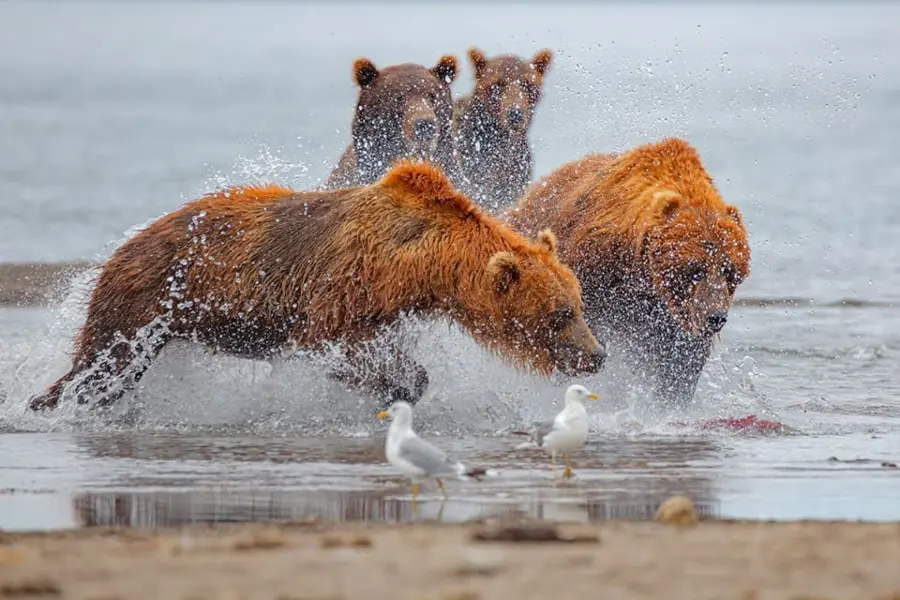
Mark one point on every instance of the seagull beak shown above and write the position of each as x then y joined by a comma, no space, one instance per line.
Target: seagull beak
382,415
593,396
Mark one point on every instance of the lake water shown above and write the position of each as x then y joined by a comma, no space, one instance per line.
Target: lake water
114,113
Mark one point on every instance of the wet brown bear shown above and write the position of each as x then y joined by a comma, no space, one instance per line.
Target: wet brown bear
658,252
403,111
250,271
491,126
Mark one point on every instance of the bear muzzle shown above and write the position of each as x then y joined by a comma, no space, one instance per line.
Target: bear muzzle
424,130
420,127
515,118
580,353
716,321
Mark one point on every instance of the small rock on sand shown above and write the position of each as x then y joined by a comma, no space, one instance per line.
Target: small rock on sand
677,510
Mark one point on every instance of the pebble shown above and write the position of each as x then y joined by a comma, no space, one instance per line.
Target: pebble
677,510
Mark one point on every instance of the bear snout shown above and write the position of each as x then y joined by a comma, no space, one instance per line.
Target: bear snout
576,361
590,361
596,359
424,129
420,124
716,321
580,353
515,117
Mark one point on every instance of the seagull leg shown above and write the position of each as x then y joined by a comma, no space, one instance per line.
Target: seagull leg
567,473
415,495
443,489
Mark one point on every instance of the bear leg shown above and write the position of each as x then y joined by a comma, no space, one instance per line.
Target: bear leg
677,369
108,378
49,400
391,376
407,394
126,370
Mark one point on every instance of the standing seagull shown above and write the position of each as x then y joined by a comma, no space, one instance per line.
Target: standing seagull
417,459
567,432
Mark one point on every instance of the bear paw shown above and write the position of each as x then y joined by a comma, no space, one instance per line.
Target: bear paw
403,393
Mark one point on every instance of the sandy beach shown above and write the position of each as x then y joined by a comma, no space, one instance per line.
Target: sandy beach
479,560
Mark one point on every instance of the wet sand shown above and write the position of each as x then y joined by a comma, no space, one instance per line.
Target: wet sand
27,284
315,559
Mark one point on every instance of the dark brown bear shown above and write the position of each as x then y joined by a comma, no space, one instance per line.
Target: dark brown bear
491,125
402,112
252,271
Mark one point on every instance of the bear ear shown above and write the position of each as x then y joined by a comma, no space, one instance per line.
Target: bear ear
541,61
547,239
735,215
445,69
504,268
666,203
479,61
364,72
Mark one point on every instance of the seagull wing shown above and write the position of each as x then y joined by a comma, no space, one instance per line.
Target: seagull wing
542,430
426,457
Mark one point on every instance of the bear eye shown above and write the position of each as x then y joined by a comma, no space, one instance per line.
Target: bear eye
531,92
695,274
731,277
561,317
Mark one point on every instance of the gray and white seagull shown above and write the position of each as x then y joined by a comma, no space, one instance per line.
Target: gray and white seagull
417,459
566,432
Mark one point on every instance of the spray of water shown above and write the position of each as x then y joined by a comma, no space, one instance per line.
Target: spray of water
188,388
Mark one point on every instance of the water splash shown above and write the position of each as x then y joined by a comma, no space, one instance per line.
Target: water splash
188,388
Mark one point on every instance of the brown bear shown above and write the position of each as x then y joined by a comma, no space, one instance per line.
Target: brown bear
658,253
249,271
402,112
491,124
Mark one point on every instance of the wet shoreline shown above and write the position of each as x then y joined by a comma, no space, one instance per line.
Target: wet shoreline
495,558
37,284
143,479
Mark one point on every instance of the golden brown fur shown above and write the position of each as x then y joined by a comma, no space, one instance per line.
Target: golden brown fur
249,271
657,250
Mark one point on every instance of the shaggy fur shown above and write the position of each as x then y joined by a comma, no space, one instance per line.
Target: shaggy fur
402,112
491,127
657,250
250,271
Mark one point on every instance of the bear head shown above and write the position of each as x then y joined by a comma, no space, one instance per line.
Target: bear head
512,294
537,313
403,111
697,256
508,88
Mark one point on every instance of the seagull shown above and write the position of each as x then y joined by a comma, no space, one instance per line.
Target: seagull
417,459
565,433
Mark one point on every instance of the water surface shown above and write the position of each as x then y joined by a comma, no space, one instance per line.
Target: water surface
113,113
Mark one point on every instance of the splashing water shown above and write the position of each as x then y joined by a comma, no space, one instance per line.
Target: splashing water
471,391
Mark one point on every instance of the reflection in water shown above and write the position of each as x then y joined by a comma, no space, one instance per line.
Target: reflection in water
165,509
222,448
151,479
172,480
664,453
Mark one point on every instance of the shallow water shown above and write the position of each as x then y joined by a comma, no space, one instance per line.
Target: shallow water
225,460
72,480
114,113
